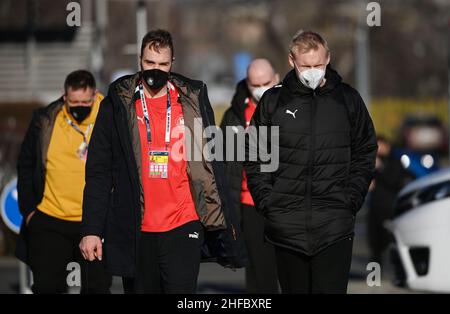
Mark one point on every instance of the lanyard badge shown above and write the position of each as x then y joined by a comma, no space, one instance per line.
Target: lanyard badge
82,151
159,164
158,158
83,148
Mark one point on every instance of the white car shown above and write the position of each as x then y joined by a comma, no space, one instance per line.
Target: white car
421,229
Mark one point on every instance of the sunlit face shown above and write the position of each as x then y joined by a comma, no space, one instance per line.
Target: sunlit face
313,59
79,97
152,59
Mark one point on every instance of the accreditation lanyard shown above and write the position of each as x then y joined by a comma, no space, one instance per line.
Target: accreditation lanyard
84,134
146,115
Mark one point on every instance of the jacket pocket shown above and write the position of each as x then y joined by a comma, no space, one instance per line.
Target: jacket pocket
347,195
199,198
349,202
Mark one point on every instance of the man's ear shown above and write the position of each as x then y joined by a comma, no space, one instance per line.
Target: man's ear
329,58
171,64
291,60
277,78
247,83
64,98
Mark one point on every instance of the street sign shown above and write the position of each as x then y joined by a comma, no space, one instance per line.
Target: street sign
9,207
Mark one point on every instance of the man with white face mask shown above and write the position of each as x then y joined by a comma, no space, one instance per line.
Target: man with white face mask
327,148
261,274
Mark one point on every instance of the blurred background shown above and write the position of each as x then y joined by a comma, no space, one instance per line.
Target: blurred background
401,68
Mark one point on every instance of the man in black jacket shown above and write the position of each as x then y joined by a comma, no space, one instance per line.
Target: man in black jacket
260,274
327,149
50,185
157,214
390,178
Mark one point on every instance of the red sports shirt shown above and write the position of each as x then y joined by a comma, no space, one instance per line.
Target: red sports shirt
168,202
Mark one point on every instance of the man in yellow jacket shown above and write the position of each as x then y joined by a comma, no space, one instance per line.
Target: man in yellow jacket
50,189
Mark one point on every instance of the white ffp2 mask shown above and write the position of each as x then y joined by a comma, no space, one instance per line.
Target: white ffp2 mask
258,92
312,78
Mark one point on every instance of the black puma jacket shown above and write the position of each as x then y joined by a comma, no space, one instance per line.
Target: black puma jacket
327,147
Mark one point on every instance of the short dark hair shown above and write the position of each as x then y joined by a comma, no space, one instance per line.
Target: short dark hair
80,79
156,39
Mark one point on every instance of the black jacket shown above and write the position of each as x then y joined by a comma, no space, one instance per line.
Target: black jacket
327,148
31,167
233,117
389,180
113,195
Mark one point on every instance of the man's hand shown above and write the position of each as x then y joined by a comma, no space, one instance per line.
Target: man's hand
378,163
372,185
91,248
30,215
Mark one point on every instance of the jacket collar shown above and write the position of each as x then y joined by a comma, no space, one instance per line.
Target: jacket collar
125,87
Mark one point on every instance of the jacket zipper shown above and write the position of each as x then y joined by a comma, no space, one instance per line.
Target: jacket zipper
310,172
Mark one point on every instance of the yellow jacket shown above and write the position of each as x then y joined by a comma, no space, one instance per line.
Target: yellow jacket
64,178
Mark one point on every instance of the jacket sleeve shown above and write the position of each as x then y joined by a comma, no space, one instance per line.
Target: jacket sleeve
259,182
226,121
97,190
363,153
209,113
232,241
26,167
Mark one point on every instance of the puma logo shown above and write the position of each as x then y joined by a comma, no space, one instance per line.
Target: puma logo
292,113
140,119
194,235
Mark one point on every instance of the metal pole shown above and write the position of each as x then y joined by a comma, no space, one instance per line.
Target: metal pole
363,56
448,77
101,22
141,27
30,48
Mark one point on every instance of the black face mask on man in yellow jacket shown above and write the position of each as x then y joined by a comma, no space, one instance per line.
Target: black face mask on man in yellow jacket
80,113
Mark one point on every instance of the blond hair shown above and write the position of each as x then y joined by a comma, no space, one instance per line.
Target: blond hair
304,41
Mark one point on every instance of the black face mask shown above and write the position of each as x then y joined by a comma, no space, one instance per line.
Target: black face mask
79,113
155,78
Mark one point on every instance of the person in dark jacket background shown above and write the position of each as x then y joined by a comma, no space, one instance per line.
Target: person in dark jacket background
260,274
50,185
390,178
327,147
158,217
